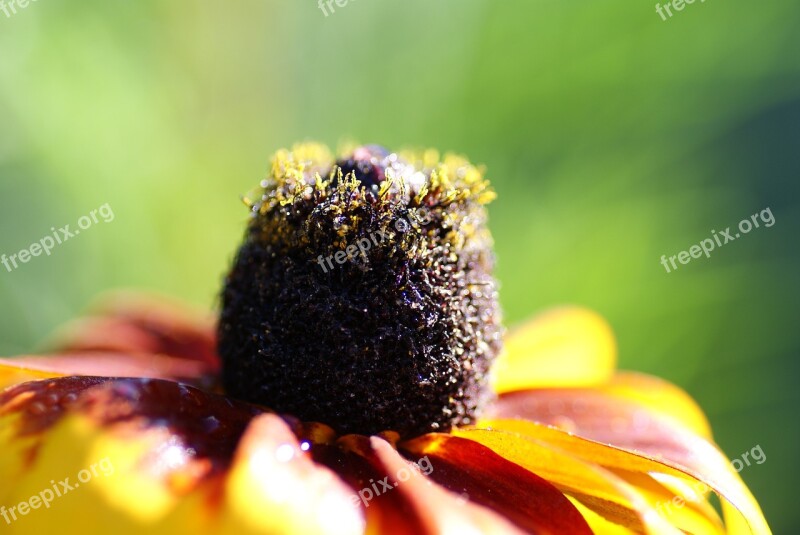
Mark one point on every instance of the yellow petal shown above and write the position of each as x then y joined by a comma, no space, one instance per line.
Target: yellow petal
466,467
591,485
568,346
689,511
12,374
87,480
147,456
703,463
598,523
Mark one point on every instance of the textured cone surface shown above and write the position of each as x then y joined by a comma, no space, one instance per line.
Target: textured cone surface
366,306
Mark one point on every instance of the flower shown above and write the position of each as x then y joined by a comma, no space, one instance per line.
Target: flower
126,426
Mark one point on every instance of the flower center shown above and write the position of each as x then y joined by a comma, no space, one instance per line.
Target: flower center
367,163
336,312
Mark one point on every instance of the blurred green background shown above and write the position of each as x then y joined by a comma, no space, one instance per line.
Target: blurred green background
612,137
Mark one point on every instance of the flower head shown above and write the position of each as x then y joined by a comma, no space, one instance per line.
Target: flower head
126,425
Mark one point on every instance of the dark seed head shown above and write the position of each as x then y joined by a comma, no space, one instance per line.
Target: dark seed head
364,301
367,164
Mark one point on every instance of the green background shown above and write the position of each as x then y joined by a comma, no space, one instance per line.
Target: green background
612,137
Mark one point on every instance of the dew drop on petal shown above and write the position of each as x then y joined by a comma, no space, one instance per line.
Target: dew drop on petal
565,424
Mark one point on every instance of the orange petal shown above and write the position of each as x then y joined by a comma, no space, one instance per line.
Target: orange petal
275,487
435,509
670,449
129,322
606,417
107,365
661,396
568,346
388,512
596,488
464,466
595,414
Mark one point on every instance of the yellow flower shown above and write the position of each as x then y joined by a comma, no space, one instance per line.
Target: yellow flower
124,429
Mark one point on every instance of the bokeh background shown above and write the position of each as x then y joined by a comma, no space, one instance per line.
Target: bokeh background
612,137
